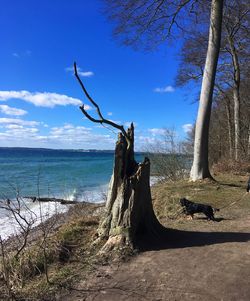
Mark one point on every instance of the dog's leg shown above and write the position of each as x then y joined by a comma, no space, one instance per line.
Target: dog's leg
210,218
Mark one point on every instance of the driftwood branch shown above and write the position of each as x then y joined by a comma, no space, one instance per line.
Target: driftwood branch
54,200
102,119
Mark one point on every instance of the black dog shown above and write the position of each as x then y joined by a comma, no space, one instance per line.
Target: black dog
191,208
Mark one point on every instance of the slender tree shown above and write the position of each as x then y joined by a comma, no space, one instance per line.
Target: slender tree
235,25
200,167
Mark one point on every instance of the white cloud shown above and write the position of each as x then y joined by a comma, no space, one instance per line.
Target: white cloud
17,131
144,140
66,136
69,132
166,89
80,136
110,113
22,54
42,99
15,54
13,126
12,111
80,72
18,121
157,131
44,124
187,128
86,73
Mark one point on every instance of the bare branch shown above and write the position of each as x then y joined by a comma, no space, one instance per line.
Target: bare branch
102,119
175,14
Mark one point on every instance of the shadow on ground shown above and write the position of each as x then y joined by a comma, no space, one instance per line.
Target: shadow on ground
171,238
231,185
216,219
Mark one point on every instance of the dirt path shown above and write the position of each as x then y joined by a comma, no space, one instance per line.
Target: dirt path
209,261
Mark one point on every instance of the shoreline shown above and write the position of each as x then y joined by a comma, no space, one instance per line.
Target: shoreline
86,209
40,212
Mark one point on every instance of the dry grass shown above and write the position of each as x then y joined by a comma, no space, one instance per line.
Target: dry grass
226,190
72,256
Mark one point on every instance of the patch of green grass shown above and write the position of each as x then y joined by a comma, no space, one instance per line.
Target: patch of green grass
221,193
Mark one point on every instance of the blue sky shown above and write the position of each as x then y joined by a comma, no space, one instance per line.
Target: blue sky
39,96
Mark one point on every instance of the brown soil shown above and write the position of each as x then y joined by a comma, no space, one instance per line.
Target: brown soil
198,260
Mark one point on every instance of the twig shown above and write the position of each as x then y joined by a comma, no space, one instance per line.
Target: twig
102,119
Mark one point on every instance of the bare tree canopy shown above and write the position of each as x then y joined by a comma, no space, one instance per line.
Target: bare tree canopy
235,26
147,23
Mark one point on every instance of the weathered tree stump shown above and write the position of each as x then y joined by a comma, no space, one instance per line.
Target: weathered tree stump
129,213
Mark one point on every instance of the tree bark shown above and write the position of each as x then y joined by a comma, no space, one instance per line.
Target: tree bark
200,167
227,102
248,146
129,212
229,125
236,97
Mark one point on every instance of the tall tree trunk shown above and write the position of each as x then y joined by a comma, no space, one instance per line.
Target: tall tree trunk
200,167
236,97
129,212
248,146
227,103
229,124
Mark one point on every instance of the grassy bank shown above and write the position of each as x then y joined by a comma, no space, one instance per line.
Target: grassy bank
223,194
51,263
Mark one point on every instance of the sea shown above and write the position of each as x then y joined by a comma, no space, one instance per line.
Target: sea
75,175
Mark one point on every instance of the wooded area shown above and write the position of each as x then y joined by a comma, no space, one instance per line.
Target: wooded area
147,24
229,129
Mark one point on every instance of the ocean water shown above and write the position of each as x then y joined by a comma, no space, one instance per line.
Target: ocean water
55,173
67,174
